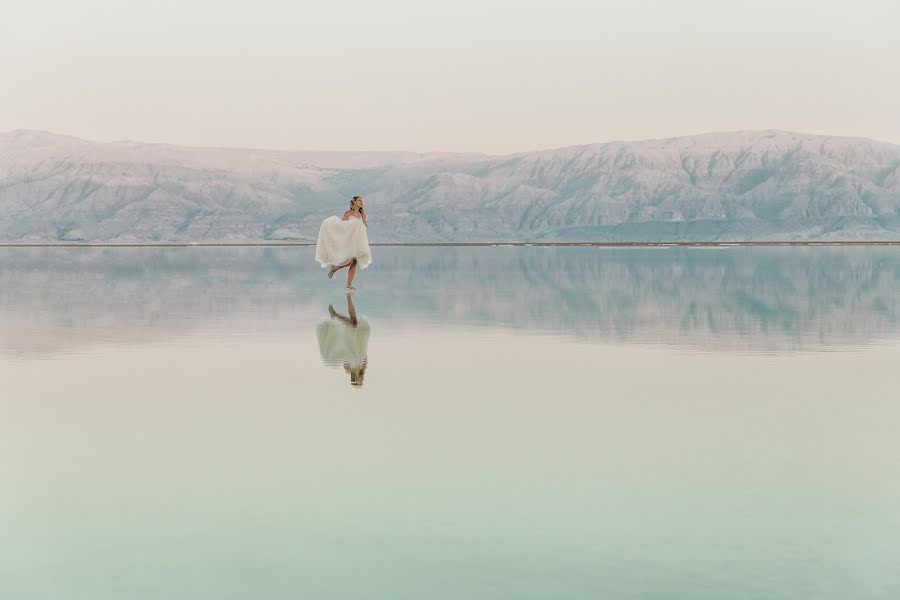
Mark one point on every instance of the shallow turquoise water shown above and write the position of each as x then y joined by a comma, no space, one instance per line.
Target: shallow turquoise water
532,423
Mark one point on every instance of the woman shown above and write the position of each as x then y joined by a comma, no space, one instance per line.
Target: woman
343,242
344,341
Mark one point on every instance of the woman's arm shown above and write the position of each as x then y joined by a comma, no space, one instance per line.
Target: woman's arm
346,216
363,215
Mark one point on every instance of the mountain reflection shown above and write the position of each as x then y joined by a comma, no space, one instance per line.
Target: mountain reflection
746,299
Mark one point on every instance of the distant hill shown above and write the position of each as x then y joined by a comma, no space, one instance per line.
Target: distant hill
759,185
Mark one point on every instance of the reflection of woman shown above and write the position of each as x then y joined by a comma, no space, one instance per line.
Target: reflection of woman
343,242
344,340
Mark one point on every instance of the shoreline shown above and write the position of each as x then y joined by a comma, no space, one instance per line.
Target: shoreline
455,244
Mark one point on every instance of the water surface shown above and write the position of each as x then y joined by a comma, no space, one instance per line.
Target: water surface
523,422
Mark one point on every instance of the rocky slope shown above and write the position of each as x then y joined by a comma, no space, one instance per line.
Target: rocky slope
758,185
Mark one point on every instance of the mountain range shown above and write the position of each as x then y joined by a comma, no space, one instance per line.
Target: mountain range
736,186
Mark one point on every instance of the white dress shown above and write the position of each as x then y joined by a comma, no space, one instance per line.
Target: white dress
341,343
339,241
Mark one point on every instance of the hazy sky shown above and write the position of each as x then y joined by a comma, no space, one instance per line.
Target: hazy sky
479,75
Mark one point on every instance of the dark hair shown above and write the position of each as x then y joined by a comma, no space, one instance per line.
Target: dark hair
354,199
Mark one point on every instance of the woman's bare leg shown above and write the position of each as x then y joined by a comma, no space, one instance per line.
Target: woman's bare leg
343,318
342,265
351,272
352,310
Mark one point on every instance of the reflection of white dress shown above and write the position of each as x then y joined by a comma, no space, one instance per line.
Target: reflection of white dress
339,241
342,343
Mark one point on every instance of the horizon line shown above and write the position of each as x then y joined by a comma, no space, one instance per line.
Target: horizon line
456,244
453,152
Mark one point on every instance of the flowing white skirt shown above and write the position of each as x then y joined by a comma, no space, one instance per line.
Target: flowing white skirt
339,241
341,343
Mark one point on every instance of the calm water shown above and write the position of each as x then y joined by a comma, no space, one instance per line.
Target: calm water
494,423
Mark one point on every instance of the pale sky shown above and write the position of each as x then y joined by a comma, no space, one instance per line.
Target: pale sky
467,75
